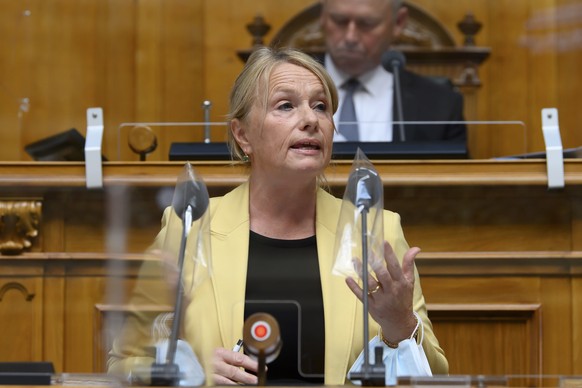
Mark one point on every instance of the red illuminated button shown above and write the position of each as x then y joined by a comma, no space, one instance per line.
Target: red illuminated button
261,330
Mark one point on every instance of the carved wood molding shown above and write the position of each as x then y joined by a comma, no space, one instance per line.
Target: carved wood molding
17,286
19,225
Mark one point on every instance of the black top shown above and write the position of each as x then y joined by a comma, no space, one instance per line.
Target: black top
283,280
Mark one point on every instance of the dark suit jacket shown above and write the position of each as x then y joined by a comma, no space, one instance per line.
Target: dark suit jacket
423,99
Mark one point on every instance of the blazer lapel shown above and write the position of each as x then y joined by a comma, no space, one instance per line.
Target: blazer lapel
230,244
338,301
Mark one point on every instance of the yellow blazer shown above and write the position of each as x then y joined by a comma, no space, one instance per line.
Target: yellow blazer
214,315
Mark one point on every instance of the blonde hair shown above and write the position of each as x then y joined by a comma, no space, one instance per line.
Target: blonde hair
253,81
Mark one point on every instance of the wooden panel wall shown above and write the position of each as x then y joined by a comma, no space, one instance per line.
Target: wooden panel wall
472,334
139,60
21,299
158,60
501,260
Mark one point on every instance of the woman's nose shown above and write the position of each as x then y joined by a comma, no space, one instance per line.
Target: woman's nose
309,118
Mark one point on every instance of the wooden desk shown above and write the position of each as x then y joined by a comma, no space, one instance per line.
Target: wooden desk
501,265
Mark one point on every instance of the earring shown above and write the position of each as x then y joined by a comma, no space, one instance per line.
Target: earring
245,158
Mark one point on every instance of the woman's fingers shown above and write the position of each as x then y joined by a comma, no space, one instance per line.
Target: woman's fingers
396,271
408,263
356,289
231,368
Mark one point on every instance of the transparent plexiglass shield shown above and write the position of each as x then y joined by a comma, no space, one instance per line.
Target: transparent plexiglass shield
149,343
190,204
360,229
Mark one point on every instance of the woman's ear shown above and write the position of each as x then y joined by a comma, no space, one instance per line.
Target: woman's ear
240,135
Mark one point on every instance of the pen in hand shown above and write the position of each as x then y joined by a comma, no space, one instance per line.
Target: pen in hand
238,346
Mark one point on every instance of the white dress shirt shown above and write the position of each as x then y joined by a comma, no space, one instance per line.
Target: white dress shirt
373,102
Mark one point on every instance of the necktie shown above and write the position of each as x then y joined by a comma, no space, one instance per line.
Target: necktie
348,125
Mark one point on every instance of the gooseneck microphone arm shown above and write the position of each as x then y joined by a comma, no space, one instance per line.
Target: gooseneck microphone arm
168,373
365,287
171,354
393,61
190,203
399,103
366,195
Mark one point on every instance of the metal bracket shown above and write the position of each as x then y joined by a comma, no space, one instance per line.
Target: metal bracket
554,150
93,168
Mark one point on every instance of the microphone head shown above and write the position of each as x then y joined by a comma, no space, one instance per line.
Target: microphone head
190,193
262,337
364,187
392,59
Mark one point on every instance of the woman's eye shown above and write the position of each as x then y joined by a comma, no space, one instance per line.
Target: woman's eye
321,107
285,106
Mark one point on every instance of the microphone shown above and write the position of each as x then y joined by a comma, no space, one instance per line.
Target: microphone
190,193
262,339
190,203
367,187
364,190
393,61
190,199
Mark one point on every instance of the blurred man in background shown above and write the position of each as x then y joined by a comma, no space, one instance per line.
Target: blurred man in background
357,34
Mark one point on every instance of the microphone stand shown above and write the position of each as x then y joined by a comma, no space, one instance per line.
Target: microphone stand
206,106
262,373
168,373
371,375
396,73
